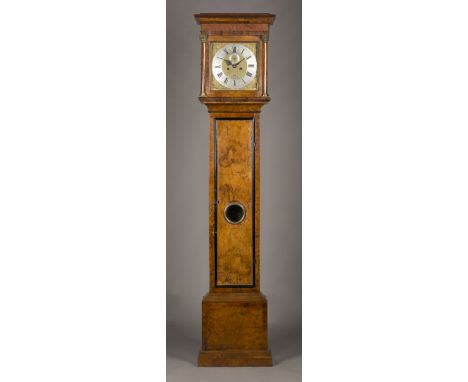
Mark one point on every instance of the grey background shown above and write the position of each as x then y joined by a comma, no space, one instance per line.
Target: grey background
187,192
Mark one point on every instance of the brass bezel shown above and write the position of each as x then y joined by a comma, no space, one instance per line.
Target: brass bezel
244,210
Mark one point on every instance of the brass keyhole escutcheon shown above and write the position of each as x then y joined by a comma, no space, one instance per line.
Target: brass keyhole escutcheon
234,213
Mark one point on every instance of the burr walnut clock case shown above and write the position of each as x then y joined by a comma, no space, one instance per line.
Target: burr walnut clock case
234,88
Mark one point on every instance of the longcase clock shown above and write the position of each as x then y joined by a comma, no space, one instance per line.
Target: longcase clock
234,88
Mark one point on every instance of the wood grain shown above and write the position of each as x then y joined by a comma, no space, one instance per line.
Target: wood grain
234,184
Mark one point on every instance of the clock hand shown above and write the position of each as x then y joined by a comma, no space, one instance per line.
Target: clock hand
235,65
229,62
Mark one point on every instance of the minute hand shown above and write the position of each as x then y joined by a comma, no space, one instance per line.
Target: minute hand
235,65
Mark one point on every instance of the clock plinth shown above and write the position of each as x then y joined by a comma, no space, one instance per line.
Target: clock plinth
234,76
234,330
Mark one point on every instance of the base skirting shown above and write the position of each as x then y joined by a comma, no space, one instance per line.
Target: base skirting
234,358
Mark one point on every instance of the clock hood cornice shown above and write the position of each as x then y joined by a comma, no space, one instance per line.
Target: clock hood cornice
235,18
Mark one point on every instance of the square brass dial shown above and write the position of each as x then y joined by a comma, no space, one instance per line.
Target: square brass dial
215,46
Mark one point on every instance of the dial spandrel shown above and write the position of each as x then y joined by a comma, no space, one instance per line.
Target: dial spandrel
234,66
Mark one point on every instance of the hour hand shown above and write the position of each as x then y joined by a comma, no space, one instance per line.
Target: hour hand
229,62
